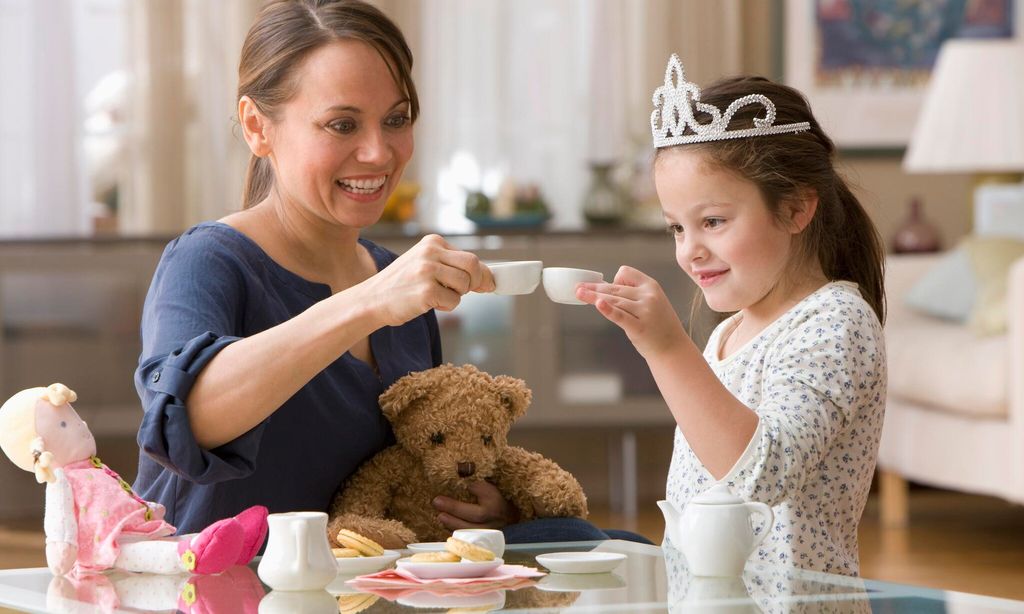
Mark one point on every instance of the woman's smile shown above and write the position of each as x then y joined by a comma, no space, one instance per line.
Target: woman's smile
367,188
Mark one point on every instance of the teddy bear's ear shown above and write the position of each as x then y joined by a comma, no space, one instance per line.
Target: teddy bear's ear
404,392
514,395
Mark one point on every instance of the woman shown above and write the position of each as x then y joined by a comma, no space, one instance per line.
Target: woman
268,335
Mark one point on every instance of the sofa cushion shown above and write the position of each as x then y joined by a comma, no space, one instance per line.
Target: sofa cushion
941,364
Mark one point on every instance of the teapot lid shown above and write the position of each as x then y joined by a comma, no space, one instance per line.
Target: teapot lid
718,494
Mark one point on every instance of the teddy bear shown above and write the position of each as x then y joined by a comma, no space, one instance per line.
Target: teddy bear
94,521
451,426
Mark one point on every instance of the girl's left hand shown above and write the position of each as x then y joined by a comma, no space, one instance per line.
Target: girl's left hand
638,305
491,511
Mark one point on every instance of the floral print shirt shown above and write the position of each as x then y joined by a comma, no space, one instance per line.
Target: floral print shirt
817,379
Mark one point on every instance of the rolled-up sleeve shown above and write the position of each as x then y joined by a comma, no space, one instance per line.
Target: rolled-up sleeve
192,312
826,372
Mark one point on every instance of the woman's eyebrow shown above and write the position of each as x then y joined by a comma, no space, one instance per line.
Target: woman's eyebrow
352,109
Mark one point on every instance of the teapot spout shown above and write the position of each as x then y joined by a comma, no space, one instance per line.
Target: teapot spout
672,519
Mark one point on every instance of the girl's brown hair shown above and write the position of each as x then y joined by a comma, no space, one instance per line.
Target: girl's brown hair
841,236
284,33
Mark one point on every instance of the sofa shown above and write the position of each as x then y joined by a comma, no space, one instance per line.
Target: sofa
955,410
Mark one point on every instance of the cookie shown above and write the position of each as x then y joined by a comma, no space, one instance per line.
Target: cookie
345,553
365,545
355,602
468,551
435,557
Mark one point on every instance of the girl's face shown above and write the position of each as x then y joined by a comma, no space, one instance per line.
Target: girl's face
64,433
726,239
341,143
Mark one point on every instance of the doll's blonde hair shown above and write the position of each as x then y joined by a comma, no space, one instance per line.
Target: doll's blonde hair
18,437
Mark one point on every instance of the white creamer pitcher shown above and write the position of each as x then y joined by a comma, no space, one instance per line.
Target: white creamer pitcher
714,532
298,556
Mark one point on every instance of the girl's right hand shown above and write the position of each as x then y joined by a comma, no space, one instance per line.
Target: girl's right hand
430,275
638,305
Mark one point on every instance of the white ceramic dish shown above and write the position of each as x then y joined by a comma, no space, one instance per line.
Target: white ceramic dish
581,562
463,569
355,565
427,547
572,582
560,283
516,277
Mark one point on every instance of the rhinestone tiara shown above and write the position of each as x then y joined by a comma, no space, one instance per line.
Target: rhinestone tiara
674,104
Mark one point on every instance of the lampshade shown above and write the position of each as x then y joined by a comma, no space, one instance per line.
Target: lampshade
972,119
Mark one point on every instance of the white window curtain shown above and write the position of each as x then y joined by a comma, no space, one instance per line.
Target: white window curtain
534,90
41,191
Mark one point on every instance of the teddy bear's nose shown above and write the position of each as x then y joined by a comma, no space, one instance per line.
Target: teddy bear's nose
466,469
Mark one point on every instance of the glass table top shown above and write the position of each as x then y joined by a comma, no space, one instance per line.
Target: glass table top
648,580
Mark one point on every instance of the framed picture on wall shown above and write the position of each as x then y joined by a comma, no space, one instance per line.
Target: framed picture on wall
864,64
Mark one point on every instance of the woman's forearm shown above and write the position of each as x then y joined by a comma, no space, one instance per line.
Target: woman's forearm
716,424
251,378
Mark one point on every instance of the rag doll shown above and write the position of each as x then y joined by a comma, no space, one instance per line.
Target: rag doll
94,520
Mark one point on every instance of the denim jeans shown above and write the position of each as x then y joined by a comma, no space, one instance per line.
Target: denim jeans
564,530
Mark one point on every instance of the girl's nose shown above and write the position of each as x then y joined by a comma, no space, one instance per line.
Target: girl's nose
691,250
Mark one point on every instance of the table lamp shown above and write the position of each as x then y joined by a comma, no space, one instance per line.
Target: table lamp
972,119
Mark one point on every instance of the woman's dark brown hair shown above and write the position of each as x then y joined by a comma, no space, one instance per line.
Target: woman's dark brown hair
284,34
841,235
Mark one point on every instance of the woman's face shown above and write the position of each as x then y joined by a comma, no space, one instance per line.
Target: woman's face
339,146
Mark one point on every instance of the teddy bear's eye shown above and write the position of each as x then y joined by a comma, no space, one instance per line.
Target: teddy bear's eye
488,440
437,439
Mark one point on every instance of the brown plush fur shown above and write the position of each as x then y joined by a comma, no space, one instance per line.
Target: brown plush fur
443,417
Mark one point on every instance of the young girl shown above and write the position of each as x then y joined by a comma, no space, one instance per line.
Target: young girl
786,403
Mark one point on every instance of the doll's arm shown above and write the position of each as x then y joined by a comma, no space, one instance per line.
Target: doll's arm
538,486
60,525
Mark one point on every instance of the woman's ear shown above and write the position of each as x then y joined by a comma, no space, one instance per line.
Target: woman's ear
802,209
255,126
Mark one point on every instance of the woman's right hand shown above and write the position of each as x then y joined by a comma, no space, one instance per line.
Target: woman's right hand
431,275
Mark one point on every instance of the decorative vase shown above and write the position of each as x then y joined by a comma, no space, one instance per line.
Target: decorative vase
604,203
916,234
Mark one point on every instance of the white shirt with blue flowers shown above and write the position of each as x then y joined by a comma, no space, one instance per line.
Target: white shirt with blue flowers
817,379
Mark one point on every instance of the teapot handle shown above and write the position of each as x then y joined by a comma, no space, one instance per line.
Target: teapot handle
763,510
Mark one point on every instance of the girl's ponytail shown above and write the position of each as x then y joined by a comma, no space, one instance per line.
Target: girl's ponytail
859,256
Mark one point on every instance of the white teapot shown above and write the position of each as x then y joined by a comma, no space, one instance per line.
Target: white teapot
714,532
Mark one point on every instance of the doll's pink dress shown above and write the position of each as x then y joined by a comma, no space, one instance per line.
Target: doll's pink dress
106,509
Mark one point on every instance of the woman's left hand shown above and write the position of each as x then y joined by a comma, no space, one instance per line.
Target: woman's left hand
638,305
491,511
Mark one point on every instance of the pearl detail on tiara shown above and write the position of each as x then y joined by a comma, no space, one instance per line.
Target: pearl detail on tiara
674,104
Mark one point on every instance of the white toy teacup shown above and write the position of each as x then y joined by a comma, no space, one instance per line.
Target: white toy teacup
560,283
491,539
519,277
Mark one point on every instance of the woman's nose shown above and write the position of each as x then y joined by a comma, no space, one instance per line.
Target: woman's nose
374,148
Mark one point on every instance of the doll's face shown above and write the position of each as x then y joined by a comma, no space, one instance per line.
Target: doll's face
64,433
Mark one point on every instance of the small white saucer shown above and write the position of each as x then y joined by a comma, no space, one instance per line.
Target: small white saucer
572,582
581,562
491,600
355,565
427,547
462,569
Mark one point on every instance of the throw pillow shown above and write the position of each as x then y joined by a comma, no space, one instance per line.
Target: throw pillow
991,258
947,290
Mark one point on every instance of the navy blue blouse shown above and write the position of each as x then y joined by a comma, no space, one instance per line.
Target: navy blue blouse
212,287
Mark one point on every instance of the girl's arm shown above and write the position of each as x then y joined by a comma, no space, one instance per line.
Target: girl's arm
715,423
